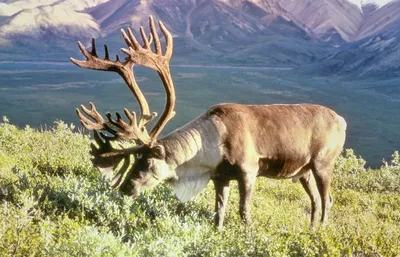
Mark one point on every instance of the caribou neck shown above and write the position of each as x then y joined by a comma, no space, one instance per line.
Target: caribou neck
195,145
192,153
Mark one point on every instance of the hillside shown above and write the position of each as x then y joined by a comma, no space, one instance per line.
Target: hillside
376,53
53,203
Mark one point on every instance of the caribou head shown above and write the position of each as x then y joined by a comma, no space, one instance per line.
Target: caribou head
150,167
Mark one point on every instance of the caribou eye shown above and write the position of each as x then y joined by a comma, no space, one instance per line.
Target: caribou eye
139,156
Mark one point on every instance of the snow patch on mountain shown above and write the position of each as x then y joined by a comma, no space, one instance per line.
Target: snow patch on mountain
378,3
8,10
57,19
11,7
358,3
80,5
30,4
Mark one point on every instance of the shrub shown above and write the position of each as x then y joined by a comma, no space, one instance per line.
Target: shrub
53,203
351,173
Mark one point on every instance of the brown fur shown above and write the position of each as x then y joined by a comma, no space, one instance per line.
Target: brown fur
277,141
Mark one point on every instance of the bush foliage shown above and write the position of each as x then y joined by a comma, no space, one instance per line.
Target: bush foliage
53,203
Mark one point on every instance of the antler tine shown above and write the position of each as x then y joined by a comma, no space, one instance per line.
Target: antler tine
94,62
131,130
146,43
106,158
168,40
99,123
88,124
157,44
118,177
144,56
107,55
93,52
133,40
118,128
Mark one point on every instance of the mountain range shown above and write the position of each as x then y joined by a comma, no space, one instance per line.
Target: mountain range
325,36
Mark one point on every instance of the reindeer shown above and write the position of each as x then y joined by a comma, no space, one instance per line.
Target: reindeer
228,142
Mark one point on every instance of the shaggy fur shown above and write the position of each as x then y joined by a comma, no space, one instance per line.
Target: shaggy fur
242,142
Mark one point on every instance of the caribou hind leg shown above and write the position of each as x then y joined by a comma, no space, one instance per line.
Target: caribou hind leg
314,197
323,174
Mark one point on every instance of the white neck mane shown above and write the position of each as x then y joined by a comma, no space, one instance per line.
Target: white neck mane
194,152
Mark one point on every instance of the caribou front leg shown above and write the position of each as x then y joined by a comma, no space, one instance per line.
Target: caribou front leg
246,189
221,200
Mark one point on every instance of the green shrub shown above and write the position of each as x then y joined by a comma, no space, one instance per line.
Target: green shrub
53,203
351,173
57,150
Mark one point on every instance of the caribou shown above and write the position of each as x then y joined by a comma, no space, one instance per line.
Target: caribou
228,142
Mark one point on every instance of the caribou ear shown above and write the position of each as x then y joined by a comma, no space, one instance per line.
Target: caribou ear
158,152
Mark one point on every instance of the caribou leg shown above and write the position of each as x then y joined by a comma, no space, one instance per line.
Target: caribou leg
323,176
221,200
314,197
246,183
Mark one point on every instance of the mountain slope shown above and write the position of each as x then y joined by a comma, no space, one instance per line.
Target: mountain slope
381,20
227,31
374,56
377,52
326,17
233,31
344,35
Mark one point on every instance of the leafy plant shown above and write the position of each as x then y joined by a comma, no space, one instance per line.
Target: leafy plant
53,203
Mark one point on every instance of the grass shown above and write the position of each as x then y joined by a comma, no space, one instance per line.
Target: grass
53,203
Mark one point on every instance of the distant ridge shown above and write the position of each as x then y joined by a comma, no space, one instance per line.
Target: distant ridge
281,33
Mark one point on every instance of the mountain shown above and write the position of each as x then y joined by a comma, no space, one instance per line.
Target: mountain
283,33
222,27
374,56
228,31
376,52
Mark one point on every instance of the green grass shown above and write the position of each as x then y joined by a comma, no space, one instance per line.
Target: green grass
53,203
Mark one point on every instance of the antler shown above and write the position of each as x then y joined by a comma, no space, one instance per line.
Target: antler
118,128
144,56
106,158
125,70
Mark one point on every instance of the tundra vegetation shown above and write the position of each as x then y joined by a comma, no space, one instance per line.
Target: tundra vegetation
54,203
